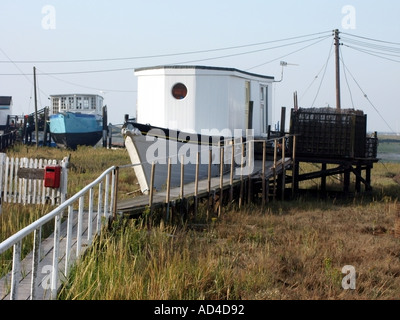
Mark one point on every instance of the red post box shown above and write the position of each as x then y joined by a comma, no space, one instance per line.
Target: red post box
52,175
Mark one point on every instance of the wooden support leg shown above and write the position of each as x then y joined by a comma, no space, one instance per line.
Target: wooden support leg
346,182
358,179
323,178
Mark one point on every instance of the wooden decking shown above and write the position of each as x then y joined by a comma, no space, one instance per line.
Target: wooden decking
138,204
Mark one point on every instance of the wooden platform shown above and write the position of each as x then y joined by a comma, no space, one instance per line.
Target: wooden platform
139,203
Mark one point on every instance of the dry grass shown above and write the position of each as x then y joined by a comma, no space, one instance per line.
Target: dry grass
291,251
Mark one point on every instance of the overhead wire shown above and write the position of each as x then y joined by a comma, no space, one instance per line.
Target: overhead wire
167,54
182,62
316,77
367,98
372,54
323,76
370,39
87,87
345,76
286,55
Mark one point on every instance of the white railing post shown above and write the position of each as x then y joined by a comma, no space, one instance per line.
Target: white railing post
90,216
16,270
35,261
80,227
106,191
112,193
69,238
99,208
54,273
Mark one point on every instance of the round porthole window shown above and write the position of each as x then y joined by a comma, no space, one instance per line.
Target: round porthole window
179,91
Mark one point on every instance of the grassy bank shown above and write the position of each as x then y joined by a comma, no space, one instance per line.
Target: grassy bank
291,250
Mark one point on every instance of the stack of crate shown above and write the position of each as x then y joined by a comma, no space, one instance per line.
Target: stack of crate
329,133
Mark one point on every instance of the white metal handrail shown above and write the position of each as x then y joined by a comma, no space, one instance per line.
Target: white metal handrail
106,200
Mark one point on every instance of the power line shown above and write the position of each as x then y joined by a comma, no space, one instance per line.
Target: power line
185,62
372,54
366,97
87,87
316,77
167,54
286,55
370,39
345,76
323,76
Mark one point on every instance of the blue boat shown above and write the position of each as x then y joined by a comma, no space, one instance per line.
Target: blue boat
77,120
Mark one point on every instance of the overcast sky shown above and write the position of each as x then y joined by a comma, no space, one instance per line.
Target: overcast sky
93,46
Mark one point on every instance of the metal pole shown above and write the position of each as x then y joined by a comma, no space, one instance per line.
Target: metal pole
337,44
36,116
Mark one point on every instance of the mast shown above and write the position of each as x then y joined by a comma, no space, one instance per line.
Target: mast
337,44
36,115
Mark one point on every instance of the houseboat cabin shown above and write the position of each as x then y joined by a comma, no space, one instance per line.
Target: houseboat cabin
195,98
79,103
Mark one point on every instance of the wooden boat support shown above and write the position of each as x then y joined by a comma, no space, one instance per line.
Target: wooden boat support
264,183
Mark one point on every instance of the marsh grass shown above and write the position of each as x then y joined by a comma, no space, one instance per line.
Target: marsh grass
290,250
293,250
86,164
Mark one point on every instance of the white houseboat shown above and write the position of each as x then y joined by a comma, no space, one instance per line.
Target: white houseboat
183,110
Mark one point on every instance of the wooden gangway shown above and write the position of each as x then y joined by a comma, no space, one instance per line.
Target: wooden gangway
41,289
203,188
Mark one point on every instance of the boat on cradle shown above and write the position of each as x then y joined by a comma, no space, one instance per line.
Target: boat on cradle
186,112
77,120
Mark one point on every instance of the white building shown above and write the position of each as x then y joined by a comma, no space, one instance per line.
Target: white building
193,98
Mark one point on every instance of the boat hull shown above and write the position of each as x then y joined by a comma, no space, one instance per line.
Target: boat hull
69,130
162,146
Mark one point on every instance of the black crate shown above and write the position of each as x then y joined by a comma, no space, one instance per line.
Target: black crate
329,133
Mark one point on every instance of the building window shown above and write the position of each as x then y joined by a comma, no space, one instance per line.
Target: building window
85,103
79,103
179,91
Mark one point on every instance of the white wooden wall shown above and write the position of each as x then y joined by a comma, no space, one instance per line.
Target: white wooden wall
30,191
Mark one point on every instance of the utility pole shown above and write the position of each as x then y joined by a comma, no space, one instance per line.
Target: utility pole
36,115
337,44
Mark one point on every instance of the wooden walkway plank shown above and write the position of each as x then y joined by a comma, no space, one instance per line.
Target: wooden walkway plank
159,198
43,284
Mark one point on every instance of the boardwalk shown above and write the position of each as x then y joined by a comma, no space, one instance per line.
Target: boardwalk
139,203
42,287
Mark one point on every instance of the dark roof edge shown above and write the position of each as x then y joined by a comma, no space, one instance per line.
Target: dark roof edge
205,68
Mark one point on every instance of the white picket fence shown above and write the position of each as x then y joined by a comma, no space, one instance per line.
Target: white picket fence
14,189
